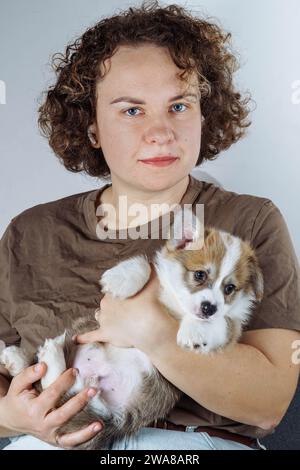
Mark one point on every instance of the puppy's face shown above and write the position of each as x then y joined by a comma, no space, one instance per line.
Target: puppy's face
220,278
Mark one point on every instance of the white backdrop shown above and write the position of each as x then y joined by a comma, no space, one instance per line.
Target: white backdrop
266,163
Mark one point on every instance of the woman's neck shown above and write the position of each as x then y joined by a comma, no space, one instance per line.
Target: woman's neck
131,206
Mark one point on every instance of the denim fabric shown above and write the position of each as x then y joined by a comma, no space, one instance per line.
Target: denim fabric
145,439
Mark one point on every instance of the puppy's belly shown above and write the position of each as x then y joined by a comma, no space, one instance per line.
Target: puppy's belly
115,372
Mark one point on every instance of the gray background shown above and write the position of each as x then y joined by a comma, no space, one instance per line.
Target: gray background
266,163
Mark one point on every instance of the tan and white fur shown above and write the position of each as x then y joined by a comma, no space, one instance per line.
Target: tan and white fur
194,275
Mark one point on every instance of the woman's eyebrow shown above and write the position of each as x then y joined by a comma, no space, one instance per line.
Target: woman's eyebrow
129,99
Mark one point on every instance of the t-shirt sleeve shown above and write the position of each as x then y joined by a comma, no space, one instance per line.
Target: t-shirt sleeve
280,307
8,334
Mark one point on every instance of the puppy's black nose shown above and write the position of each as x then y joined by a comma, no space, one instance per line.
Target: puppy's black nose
208,309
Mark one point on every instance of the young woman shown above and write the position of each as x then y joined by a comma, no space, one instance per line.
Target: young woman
143,97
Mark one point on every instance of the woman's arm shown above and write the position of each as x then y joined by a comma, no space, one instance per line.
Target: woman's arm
252,382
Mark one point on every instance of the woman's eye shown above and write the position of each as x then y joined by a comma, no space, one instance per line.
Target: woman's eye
200,276
229,288
131,109
179,104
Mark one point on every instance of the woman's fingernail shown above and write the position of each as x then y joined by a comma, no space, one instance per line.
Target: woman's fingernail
37,368
74,337
91,392
75,372
97,427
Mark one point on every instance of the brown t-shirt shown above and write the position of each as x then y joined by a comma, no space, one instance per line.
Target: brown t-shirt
51,260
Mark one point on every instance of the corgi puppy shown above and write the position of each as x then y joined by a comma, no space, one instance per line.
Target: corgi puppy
209,284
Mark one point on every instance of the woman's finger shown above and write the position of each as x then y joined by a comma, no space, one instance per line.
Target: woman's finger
64,413
90,337
25,379
75,438
50,396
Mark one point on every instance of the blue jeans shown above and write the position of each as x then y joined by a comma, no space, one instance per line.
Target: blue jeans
163,439
146,439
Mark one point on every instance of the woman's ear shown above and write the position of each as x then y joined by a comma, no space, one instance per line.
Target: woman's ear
93,136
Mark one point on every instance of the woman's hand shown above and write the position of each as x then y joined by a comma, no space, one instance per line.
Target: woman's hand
138,321
23,410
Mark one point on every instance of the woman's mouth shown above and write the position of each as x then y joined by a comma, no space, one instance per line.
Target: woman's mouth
159,161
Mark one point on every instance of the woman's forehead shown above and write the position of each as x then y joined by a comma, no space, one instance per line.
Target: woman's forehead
132,61
126,91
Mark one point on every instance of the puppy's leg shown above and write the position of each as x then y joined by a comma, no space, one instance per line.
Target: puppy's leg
126,278
14,359
52,353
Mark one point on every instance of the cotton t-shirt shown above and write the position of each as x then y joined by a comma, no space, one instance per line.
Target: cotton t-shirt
52,259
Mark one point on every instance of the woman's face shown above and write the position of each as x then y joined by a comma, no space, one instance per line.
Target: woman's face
138,117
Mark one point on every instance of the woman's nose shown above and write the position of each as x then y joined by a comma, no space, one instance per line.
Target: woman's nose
159,135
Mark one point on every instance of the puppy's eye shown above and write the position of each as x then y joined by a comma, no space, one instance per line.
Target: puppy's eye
229,288
200,276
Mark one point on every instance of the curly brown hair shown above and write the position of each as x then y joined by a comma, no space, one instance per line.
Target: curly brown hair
195,45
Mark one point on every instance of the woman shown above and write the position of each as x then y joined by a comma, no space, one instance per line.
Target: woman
120,101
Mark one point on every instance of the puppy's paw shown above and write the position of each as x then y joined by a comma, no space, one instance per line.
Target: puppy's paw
51,348
52,353
14,360
127,278
190,337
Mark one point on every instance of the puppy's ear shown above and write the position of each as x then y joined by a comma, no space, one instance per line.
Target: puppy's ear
256,277
185,230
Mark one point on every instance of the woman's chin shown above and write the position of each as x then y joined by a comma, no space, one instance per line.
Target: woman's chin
159,183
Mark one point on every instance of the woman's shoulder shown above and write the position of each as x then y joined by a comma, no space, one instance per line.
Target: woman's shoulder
47,219
58,209
238,213
212,193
